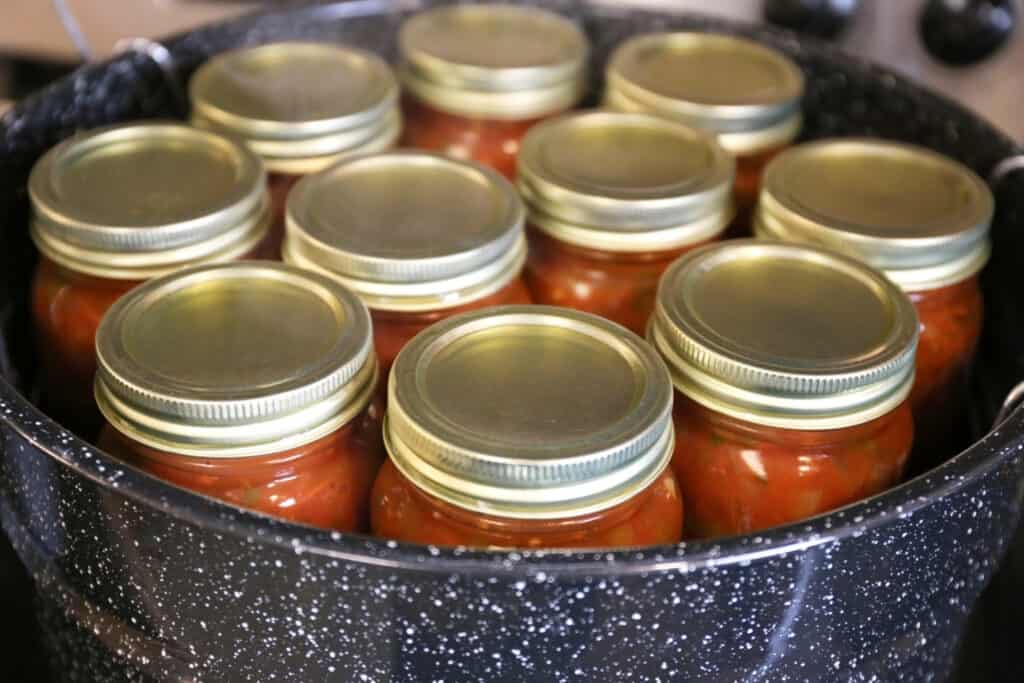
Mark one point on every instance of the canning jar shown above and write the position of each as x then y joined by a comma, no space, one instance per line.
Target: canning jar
113,207
612,200
476,77
792,366
528,427
299,106
418,236
746,93
921,218
251,383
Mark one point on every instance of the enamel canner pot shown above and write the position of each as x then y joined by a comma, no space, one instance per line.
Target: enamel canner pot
139,580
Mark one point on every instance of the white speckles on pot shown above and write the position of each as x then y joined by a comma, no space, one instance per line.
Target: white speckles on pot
142,581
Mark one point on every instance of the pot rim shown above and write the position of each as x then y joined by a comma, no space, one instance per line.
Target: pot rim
855,519
988,453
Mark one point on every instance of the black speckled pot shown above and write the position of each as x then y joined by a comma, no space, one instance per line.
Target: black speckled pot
140,580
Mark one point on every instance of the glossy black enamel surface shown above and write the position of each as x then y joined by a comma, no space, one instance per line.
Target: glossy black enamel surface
139,580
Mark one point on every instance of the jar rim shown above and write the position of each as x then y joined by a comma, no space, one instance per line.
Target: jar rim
408,230
449,60
620,182
239,93
103,204
831,343
920,217
187,363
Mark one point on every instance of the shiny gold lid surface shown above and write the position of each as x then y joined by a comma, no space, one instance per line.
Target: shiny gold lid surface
625,182
785,335
137,200
298,105
921,217
408,230
529,412
248,358
746,92
496,61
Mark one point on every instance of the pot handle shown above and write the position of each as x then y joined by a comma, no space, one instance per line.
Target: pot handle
1013,399
1005,167
162,57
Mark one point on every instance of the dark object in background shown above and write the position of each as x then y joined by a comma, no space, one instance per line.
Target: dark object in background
141,580
819,18
962,32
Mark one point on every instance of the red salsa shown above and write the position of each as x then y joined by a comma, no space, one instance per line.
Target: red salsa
99,240
930,237
740,476
478,77
613,199
951,318
791,398
252,383
405,513
325,483
572,450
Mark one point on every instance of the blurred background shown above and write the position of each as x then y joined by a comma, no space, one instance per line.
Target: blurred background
968,49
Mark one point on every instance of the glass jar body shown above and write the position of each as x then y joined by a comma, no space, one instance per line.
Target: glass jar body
325,483
950,319
738,477
399,510
278,185
393,329
749,169
617,286
67,308
491,142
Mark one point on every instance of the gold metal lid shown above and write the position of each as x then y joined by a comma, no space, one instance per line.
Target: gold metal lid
745,92
625,182
494,61
529,412
407,230
249,358
785,335
299,105
139,200
921,217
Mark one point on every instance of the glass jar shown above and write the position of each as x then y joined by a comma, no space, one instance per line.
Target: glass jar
418,236
921,218
251,383
744,92
528,427
792,397
476,77
613,199
114,207
299,106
